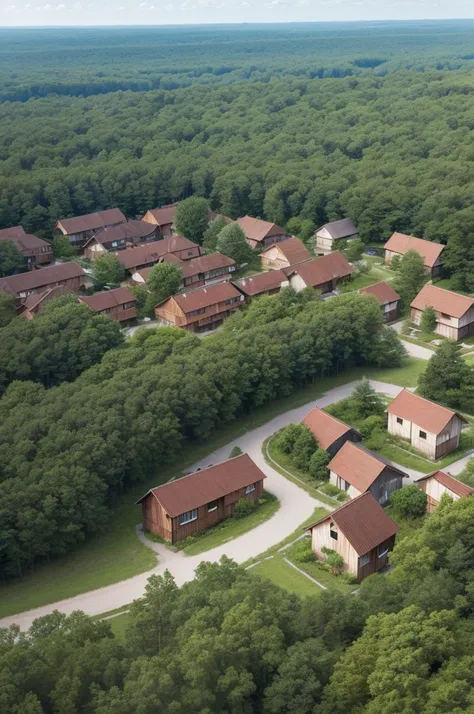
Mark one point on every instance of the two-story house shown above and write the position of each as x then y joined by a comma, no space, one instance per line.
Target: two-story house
322,274
399,244
69,275
268,283
119,304
261,233
454,312
115,238
78,230
146,255
35,251
282,255
329,236
388,299
202,309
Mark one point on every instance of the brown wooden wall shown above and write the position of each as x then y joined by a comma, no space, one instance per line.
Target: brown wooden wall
375,563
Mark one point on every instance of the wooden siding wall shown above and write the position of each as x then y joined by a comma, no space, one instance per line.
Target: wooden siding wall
385,484
434,445
339,443
434,490
375,563
321,539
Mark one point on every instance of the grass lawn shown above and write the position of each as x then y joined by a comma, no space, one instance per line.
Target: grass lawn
332,582
119,624
282,574
234,527
118,554
404,457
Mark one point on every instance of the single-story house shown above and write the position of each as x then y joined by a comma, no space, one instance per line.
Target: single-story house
399,244
202,309
357,470
328,236
429,427
145,255
164,218
282,255
454,312
118,238
201,499
119,304
261,233
323,273
70,275
35,303
330,433
437,484
35,251
388,299
268,283
79,229
360,531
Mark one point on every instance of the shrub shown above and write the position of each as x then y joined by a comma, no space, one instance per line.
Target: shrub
302,551
318,465
236,451
409,501
376,440
244,507
428,320
286,437
370,424
334,560
304,448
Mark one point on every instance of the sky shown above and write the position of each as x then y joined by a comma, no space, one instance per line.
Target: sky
165,12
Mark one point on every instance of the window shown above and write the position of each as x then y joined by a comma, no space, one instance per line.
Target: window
382,551
128,305
399,420
212,506
422,434
188,517
197,312
363,560
332,532
190,252
250,489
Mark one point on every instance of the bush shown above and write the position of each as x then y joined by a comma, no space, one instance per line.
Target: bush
318,465
409,501
302,551
370,424
297,441
236,451
334,561
244,507
376,440
428,320
330,490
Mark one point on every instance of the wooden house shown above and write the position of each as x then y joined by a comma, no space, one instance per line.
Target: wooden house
331,234
432,429
146,255
35,251
202,309
119,304
388,299
437,484
69,275
78,230
205,270
330,433
357,470
399,244
201,499
360,532
282,255
118,238
163,218
35,303
322,274
261,233
454,312
268,283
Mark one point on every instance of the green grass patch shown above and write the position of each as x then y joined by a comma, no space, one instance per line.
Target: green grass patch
319,573
282,574
415,341
234,527
406,456
119,624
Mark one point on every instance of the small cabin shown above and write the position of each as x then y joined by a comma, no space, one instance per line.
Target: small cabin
387,298
438,484
329,235
282,255
399,244
330,433
323,274
454,312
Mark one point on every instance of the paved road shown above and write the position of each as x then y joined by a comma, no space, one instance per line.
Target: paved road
412,349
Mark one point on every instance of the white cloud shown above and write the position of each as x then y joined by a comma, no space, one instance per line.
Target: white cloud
28,7
60,7
77,6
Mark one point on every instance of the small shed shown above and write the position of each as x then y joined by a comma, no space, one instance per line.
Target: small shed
322,274
330,234
437,484
399,244
282,255
388,299
330,433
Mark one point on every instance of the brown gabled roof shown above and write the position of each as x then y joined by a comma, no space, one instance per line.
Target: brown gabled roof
423,412
363,522
108,299
125,231
164,216
35,279
14,231
382,291
358,466
340,229
261,282
293,249
401,243
213,216
153,251
322,270
197,489
326,428
26,242
451,483
191,300
258,230
36,298
442,300
91,221
213,261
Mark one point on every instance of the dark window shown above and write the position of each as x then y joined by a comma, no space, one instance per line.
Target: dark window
212,506
399,420
332,532
363,560
422,434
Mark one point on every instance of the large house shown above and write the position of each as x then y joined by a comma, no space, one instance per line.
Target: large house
118,238
164,217
360,531
268,283
399,244
356,470
205,270
330,433
261,233
437,484
323,273
282,255
329,235
69,275
35,251
201,499
79,229
148,254
388,299
119,304
454,312
202,309
429,427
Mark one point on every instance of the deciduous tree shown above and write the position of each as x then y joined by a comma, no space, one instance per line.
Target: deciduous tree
192,218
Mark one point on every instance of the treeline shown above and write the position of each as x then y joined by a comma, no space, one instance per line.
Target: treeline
66,453
230,641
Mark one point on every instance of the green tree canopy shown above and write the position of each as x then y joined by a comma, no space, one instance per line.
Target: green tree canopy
410,277
212,233
428,320
108,270
7,308
232,242
409,501
11,259
448,378
62,247
192,218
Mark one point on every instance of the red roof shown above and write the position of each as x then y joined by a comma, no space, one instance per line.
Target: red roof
205,297
422,412
153,252
325,427
452,484
197,489
206,263
401,243
124,231
91,221
358,466
164,216
43,277
261,282
257,230
322,270
14,231
35,299
363,522
442,300
293,249
108,299
382,291
26,242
